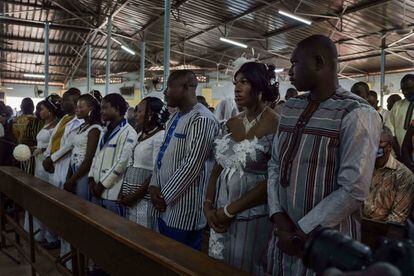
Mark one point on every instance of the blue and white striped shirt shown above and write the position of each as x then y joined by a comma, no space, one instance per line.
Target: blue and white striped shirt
181,169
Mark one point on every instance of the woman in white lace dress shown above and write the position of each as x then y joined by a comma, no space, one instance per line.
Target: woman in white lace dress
151,115
235,204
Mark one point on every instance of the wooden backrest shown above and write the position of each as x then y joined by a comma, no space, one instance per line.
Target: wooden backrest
119,246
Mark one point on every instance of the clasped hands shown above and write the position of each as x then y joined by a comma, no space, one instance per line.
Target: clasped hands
291,239
216,218
96,188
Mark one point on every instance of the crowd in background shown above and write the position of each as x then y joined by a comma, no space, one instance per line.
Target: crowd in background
263,173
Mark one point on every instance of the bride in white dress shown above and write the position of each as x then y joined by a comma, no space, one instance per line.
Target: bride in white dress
50,112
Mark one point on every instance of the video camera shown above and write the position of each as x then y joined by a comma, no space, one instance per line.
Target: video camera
329,248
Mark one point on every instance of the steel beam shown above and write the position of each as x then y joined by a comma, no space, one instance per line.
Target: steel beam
46,92
155,20
257,8
37,24
382,79
31,72
88,68
108,56
33,63
348,11
142,70
167,13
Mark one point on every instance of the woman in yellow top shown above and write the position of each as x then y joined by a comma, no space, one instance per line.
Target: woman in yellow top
21,123
25,128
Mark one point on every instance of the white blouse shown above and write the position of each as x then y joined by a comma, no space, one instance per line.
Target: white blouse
145,152
80,142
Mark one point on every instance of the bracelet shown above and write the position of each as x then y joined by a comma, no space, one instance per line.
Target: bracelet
226,212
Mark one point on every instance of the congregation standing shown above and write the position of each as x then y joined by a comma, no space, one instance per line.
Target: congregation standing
261,173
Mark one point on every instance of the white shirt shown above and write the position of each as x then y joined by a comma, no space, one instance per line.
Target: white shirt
61,158
111,158
397,118
80,143
65,142
384,114
145,152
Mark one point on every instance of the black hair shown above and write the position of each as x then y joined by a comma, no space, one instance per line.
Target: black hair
97,95
203,101
322,42
188,75
9,111
408,77
361,84
394,98
53,103
262,77
73,92
159,111
37,111
27,106
117,101
95,115
373,94
3,110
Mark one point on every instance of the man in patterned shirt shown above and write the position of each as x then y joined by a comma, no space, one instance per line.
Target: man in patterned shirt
181,171
322,159
392,188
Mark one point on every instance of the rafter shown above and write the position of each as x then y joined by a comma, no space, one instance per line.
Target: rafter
259,7
53,41
279,31
155,20
34,63
30,72
5,50
36,24
34,5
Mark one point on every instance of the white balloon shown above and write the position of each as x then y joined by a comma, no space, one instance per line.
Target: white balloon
22,153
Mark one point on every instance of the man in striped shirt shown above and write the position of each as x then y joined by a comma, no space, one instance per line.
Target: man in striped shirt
180,175
322,159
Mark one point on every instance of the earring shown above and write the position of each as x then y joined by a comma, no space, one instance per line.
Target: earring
90,113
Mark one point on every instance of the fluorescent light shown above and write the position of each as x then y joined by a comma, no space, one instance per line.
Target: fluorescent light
117,41
125,48
34,76
128,50
233,42
279,70
298,18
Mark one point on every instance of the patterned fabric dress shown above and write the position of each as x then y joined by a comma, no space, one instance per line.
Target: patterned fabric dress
142,212
25,130
244,166
139,170
321,167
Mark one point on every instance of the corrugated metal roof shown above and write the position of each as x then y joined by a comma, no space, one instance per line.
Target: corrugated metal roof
196,26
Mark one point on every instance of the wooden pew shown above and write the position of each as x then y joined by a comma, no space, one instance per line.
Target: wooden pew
119,246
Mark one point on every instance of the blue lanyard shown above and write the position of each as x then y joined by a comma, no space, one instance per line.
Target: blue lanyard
167,140
106,138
